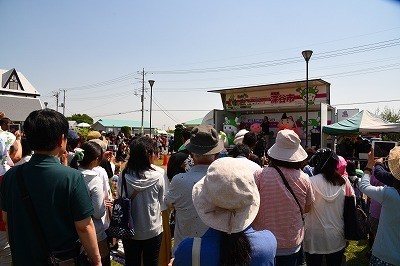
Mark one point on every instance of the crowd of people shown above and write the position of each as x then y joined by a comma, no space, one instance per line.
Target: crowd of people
277,206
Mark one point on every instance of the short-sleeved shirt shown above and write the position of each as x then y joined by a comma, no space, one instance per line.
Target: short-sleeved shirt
60,198
279,211
179,196
263,248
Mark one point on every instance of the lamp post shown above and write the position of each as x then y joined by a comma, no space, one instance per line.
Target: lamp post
151,82
307,55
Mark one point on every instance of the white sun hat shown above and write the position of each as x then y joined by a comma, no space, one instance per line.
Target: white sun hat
287,147
227,198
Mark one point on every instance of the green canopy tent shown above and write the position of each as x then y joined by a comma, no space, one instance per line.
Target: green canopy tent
363,122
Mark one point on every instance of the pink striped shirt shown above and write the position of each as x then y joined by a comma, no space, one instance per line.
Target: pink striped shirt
279,211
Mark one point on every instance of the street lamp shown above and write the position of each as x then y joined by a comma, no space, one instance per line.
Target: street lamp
307,55
151,82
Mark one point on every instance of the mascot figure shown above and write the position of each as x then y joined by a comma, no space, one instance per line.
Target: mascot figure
287,122
230,129
224,138
256,127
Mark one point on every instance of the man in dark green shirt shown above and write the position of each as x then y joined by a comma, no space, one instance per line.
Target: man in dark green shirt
58,193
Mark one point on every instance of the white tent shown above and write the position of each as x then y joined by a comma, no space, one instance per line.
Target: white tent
161,131
363,122
83,125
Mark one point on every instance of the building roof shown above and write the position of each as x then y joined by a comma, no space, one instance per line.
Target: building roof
312,82
18,108
27,88
122,123
194,122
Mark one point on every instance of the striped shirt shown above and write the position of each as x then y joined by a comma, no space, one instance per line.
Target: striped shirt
279,211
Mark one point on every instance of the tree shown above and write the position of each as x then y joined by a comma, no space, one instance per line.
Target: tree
390,115
126,130
80,118
83,132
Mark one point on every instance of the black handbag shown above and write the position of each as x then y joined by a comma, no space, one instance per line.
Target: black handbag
356,226
68,257
121,224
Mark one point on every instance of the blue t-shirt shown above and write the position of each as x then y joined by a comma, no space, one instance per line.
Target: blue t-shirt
263,248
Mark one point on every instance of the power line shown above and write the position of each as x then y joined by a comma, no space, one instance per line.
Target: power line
291,60
163,108
120,113
347,73
288,49
109,96
102,90
286,72
277,62
383,101
104,83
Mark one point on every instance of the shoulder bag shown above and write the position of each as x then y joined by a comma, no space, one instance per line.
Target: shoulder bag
72,256
356,225
290,190
121,224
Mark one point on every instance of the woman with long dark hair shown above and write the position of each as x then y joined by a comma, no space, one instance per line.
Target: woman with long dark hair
87,157
227,200
145,188
324,223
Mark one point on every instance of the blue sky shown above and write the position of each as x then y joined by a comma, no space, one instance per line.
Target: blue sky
70,44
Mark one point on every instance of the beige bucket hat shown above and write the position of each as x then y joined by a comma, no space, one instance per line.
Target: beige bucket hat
227,198
287,147
394,162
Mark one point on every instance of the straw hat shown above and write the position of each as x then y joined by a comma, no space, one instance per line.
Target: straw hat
93,135
227,198
394,162
287,147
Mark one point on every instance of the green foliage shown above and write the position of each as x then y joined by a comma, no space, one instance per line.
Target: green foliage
126,130
81,118
83,132
390,115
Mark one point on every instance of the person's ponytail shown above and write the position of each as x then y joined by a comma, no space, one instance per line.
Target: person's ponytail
235,249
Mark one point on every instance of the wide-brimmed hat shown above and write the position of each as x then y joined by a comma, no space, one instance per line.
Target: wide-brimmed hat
93,135
239,136
394,162
204,140
227,198
102,144
287,147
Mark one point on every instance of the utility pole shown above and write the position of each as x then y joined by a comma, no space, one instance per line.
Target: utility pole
64,104
142,99
56,94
